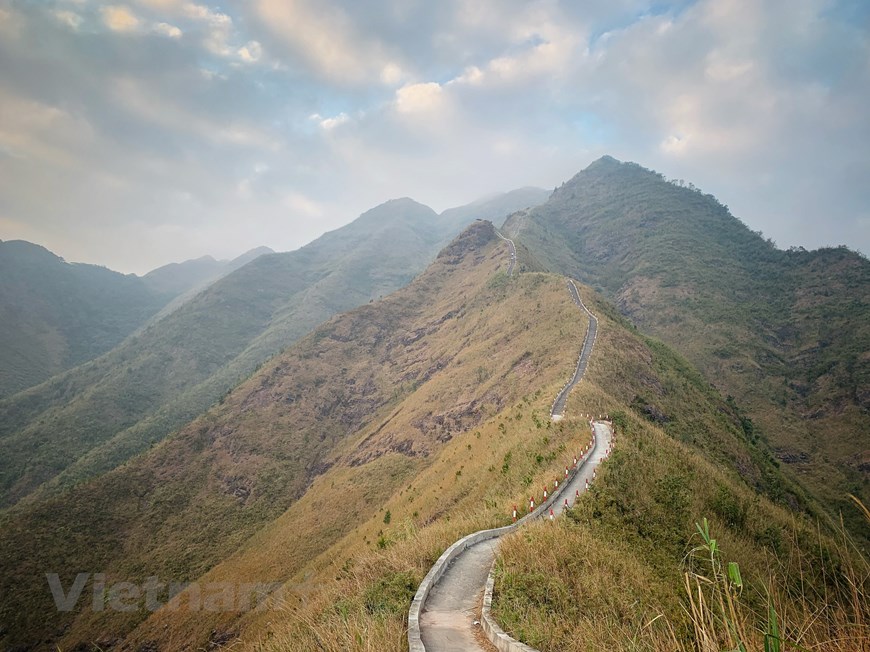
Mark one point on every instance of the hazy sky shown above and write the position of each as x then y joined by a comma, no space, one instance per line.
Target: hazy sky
140,133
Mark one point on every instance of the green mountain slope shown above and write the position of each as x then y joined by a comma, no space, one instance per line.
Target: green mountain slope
178,278
92,418
57,315
785,332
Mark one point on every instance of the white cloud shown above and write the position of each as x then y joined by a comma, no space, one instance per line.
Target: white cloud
69,18
330,123
119,18
251,52
420,98
472,75
323,36
165,29
392,74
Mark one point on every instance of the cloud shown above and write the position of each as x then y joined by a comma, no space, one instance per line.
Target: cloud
119,18
165,29
148,103
250,52
322,36
330,123
299,115
420,98
69,18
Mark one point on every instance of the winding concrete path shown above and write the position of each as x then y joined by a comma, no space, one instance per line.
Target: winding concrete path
591,333
513,248
452,607
444,615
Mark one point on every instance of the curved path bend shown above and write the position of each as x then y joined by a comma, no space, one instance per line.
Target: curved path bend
443,615
449,619
513,248
558,410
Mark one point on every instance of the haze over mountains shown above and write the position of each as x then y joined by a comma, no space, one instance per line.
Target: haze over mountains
57,315
94,417
332,418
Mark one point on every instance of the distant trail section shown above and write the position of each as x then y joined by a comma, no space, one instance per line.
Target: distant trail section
443,614
558,410
513,250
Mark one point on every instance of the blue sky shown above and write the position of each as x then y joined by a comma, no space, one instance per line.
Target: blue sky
138,133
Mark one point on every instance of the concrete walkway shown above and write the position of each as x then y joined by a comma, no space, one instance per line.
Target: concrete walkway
591,333
443,612
447,623
513,253
453,604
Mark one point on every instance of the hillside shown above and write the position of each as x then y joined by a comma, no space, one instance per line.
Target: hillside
348,463
784,332
92,418
350,580
372,394
57,315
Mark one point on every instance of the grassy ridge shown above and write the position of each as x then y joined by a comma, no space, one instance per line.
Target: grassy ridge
354,594
597,579
683,454
784,332
555,584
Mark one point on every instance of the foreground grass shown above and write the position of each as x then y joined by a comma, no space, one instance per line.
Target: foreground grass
634,567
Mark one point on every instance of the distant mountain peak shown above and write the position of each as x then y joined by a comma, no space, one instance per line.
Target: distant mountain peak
604,161
472,239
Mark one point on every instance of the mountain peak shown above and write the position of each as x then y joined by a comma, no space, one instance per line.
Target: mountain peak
472,239
605,161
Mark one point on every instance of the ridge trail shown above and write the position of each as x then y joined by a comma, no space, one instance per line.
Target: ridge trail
443,615
513,248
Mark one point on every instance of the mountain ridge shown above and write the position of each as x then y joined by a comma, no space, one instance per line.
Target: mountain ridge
175,368
781,331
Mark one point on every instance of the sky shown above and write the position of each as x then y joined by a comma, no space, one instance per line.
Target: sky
139,133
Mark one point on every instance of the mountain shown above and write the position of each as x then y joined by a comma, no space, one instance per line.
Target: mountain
786,333
378,390
345,465
178,278
92,418
57,315
496,207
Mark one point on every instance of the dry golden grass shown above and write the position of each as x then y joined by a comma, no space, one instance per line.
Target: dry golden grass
497,355
350,572
629,570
